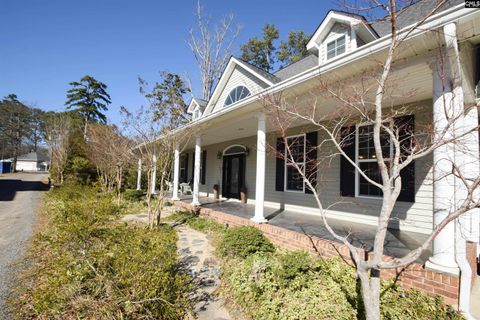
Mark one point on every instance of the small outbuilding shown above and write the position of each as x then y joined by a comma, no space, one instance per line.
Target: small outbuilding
33,161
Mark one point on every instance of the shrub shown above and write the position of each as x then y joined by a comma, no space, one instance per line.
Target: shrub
292,265
133,195
244,241
86,265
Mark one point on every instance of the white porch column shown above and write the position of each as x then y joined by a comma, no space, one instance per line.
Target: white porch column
443,258
260,176
196,171
176,171
154,173
139,175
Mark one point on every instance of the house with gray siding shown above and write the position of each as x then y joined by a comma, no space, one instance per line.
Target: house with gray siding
236,143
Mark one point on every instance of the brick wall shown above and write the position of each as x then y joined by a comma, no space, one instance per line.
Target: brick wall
413,276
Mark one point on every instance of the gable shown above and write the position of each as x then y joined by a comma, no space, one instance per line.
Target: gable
239,77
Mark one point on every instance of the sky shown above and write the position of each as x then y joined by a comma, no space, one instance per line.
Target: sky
46,44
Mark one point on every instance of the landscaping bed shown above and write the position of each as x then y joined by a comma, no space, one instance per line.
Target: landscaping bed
85,264
269,283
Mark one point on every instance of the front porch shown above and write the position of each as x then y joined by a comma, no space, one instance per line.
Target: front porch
397,244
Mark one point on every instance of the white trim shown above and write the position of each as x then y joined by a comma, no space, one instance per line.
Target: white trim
287,164
234,145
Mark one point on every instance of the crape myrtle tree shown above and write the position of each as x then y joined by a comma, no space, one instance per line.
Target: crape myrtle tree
211,47
90,99
367,98
57,131
152,128
111,153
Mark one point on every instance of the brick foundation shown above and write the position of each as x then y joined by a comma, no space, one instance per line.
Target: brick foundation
413,276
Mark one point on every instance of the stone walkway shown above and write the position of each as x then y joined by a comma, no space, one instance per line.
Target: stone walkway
197,259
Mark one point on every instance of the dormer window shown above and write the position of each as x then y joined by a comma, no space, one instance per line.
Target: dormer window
336,47
196,114
237,94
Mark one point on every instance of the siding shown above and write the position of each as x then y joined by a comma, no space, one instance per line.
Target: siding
336,31
417,217
239,76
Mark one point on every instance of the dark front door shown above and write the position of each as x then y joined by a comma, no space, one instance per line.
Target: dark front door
233,175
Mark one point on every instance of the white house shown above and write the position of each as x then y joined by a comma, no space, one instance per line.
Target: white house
231,149
33,161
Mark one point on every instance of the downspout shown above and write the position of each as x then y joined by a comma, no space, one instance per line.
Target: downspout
453,58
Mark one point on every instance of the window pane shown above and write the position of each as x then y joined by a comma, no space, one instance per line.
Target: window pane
341,41
366,188
331,46
297,148
294,179
340,49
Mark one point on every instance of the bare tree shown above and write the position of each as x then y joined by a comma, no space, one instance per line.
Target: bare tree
367,98
57,133
153,130
212,48
111,153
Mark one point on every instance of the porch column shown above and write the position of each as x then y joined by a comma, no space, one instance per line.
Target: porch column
260,176
443,258
196,171
139,174
154,173
176,171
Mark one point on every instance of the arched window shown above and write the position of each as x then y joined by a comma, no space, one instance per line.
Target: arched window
237,94
235,149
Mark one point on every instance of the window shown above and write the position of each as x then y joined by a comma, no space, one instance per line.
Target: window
367,160
336,47
196,114
237,94
293,178
183,168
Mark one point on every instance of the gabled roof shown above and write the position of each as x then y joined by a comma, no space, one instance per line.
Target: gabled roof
260,74
334,16
33,156
196,102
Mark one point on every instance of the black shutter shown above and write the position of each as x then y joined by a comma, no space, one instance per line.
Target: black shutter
347,170
311,159
406,128
280,166
204,166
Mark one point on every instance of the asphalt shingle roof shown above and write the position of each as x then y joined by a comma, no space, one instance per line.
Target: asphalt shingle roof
412,14
262,72
33,156
298,67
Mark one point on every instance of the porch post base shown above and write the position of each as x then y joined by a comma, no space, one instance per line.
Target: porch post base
259,220
195,203
435,266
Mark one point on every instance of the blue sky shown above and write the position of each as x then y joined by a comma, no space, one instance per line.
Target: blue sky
46,44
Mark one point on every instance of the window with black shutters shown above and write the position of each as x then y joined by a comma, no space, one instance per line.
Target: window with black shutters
296,157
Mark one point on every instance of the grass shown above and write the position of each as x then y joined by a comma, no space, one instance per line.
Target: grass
84,264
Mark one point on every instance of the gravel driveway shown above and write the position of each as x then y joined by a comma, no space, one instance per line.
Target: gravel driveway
19,197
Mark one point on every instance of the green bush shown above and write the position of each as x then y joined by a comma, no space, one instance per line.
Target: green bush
244,241
293,286
133,195
87,265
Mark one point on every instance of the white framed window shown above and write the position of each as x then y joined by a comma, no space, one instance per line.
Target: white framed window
294,181
196,114
237,94
336,47
366,160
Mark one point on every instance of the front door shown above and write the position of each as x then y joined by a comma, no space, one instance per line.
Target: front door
233,175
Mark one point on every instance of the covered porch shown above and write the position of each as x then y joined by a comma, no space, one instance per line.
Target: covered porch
397,244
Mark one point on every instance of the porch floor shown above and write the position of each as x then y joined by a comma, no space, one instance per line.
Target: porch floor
397,243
